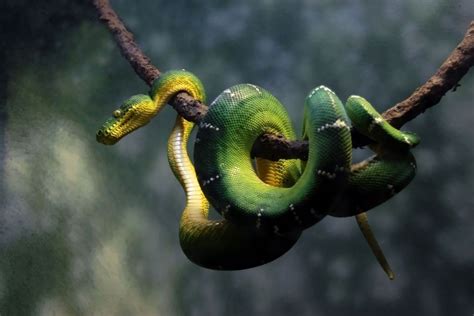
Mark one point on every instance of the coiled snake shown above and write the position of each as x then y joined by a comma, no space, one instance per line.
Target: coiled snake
266,205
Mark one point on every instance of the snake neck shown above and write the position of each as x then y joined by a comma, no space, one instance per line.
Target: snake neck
183,169
170,83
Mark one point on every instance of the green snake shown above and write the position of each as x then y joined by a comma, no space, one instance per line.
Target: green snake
266,205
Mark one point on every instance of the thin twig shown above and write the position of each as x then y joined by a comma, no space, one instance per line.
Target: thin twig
275,147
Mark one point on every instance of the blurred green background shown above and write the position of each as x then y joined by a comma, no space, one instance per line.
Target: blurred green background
87,229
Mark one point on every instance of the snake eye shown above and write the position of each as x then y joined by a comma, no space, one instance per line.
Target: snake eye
117,113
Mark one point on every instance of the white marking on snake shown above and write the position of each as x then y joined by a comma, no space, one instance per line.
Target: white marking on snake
376,121
405,138
227,91
208,125
319,88
255,87
324,88
211,179
327,174
391,188
338,124
259,217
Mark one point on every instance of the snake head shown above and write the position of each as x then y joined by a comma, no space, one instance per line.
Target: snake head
134,113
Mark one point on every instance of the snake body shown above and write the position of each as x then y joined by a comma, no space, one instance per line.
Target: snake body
266,207
224,167
378,178
214,244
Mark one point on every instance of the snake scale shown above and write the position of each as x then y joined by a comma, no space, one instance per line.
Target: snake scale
265,205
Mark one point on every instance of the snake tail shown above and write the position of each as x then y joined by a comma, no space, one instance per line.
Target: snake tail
363,222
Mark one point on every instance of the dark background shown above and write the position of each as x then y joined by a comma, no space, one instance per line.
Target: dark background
87,229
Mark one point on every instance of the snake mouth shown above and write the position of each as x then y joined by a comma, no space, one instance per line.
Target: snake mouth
114,129
105,138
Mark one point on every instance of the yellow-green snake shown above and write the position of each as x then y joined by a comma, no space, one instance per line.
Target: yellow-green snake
265,205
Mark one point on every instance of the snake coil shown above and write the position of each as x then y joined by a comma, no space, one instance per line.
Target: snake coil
265,205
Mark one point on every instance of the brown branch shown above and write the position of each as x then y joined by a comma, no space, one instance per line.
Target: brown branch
275,147
126,42
446,78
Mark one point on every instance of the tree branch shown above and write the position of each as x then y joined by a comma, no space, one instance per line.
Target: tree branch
276,147
126,42
446,78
